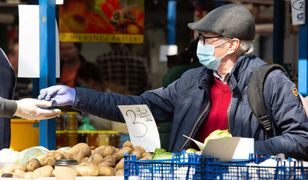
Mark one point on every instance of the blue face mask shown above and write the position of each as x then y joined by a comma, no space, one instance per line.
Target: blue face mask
205,53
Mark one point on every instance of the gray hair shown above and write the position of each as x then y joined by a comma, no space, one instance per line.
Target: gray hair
246,48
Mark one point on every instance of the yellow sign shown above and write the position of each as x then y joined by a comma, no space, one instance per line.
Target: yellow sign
111,21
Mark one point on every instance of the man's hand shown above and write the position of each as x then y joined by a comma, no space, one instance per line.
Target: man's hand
59,95
33,109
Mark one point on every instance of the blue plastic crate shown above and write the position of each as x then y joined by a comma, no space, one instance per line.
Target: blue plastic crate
284,170
193,166
181,166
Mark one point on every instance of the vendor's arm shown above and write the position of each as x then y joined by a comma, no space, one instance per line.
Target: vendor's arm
289,119
7,107
27,108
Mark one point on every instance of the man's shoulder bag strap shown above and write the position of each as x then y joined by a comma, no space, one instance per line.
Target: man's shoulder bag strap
256,98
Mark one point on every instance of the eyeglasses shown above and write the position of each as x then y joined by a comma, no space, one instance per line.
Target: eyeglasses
203,38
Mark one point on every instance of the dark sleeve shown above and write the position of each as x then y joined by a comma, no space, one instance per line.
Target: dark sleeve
288,118
7,107
105,104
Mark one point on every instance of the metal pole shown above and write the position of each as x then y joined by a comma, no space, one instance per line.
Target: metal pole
171,33
278,33
47,66
302,59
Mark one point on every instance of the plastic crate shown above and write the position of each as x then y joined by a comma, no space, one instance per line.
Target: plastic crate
179,167
284,170
192,166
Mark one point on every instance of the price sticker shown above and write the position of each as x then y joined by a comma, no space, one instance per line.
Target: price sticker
141,126
298,12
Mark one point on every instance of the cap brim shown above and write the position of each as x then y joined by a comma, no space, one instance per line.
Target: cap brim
193,26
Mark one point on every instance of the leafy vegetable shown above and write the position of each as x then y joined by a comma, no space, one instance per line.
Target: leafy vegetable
161,154
217,134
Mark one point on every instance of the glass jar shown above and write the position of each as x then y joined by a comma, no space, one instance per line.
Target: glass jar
61,139
103,138
60,122
72,138
92,139
71,120
82,136
114,139
65,169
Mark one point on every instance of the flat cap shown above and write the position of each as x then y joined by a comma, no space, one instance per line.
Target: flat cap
233,21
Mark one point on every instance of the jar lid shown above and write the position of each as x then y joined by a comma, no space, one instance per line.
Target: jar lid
65,162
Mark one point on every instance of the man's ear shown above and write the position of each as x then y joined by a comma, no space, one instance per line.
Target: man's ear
234,45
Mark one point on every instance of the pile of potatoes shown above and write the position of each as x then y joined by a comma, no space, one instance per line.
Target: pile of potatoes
102,161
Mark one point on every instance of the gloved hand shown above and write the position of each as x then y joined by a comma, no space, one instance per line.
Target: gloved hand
32,109
59,95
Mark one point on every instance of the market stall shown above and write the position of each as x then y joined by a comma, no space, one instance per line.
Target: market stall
85,152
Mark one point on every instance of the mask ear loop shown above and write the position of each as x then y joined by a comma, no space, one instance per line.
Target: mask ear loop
222,44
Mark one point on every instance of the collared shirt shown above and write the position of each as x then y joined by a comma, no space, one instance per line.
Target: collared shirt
221,78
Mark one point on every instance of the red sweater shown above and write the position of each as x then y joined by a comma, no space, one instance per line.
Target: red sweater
217,118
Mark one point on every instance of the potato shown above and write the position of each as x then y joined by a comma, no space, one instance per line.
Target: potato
44,171
19,173
79,151
95,159
137,153
127,144
33,164
87,170
120,164
105,164
146,156
110,159
120,172
8,169
65,154
84,160
19,167
106,171
120,154
140,149
99,150
47,161
108,150
55,154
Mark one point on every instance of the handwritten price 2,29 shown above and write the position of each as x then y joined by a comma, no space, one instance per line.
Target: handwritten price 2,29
139,117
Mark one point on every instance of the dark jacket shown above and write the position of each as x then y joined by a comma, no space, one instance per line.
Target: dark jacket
187,103
7,108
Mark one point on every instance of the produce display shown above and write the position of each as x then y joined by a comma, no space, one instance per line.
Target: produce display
102,161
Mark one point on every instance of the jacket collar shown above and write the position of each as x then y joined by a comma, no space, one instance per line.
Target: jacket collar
206,75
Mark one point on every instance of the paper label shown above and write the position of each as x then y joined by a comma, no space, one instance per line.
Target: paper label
298,12
59,2
141,126
29,43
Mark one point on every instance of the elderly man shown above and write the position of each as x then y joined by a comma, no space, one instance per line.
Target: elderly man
214,96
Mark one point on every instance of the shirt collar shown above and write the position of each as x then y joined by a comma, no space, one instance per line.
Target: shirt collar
221,78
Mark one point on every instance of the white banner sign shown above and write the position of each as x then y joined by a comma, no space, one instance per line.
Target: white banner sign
29,42
298,12
141,126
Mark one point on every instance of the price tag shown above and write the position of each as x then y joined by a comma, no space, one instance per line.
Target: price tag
298,12
141,126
